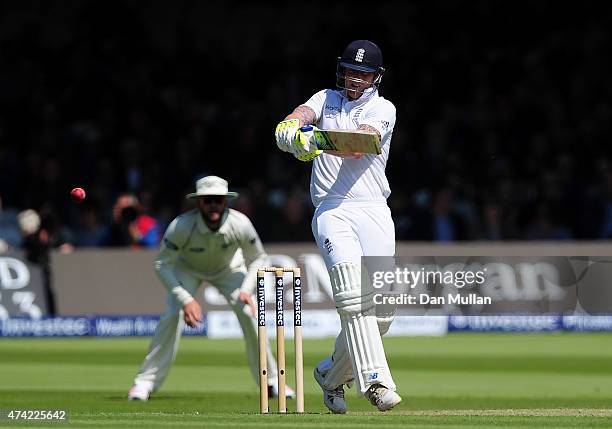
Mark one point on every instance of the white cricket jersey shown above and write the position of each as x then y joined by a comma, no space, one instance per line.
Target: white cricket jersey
189,245
340,179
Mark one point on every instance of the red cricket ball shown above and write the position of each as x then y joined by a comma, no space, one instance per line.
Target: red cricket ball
78,195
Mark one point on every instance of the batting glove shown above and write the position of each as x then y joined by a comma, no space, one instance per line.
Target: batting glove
286,133
305,146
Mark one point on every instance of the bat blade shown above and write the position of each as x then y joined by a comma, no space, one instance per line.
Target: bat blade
347,141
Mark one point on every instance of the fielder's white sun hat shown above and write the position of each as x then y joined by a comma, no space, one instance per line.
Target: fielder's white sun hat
211,185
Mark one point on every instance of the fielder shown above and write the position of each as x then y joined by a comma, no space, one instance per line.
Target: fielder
351,219
215,244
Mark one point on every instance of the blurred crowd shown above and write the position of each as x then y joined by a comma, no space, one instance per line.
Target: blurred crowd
504,114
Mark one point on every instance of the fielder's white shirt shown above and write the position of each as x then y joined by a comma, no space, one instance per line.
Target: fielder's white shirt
190,246
339,179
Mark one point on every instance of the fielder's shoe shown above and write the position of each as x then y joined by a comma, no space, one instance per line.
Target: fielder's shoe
138,393
383,398
273,391
332,398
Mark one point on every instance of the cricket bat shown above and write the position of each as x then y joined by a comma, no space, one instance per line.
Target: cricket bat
345,141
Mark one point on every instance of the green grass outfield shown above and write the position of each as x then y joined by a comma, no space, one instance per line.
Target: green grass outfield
459,381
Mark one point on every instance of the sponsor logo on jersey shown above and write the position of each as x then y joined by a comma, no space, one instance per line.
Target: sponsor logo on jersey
331,111
197,249
328,245
356,115
332,108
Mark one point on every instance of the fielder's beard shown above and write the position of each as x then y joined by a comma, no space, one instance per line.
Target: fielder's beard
214,218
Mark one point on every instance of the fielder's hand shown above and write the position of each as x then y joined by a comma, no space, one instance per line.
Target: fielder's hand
246,298
285,134
192,313
305,146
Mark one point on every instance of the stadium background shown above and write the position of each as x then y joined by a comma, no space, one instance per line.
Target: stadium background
503,108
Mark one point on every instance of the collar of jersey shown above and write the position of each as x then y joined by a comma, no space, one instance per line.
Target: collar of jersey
204,229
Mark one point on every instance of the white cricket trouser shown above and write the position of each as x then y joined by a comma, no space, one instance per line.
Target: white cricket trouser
164,344
344,233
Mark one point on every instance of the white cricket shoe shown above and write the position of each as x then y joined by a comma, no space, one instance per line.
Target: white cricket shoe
138,393
332,398
273,391
383,398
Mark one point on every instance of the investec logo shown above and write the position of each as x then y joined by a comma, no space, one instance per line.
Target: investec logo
297,302
279,302
261,303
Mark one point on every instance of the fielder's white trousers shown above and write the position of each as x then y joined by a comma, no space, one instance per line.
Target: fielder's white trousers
164,345
345,232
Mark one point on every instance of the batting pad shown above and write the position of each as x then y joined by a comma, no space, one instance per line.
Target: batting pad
338,369
349,295
359,326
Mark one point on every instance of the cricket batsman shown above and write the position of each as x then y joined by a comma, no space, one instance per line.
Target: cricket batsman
215,244
351,219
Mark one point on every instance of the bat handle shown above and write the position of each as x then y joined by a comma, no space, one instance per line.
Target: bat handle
308,129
